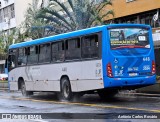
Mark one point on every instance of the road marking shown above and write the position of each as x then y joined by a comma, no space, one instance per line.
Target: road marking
83,104
37,120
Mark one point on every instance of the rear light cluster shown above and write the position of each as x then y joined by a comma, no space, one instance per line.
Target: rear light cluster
153,67
109,70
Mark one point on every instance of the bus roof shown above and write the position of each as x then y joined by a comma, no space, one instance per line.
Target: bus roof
70,35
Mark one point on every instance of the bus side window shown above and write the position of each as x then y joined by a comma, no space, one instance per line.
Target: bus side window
90,46
61,51
54,51
73,50
22,57
44,53
58,51
32,55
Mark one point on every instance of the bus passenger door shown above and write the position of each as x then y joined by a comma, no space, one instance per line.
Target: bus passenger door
12,74
11,62
6,66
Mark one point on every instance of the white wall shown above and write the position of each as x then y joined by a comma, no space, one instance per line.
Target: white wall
20,10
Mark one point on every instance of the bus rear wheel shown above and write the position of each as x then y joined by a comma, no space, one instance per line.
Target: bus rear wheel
66,92
24,91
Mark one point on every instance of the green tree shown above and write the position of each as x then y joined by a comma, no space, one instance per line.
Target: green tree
32,26
7,39
75,15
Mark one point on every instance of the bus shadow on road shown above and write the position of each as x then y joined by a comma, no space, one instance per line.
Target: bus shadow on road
91,98
87,98
48,96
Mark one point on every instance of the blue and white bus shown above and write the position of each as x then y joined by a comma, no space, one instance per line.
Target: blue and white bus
103,59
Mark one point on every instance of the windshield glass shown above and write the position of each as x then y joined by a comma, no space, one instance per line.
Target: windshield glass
129,38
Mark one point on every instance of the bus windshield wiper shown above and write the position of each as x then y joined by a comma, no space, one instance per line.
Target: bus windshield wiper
129,46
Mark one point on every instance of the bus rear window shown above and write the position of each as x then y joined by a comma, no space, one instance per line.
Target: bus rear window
129,38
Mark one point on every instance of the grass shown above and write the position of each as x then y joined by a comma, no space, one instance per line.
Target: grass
3,81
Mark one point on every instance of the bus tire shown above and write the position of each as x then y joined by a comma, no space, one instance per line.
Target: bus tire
66,92
24,91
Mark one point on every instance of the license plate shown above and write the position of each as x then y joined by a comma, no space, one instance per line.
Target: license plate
133,74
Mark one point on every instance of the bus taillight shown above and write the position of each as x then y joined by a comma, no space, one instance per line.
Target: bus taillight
109,70
153,67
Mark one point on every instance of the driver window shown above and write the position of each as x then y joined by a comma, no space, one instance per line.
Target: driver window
11,62
12,59
22,57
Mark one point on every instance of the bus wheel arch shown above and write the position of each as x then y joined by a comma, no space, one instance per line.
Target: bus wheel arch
22,87
20,81
62,77
65,88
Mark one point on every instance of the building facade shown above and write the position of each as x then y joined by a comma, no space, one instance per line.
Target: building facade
11,16
12,13
138,11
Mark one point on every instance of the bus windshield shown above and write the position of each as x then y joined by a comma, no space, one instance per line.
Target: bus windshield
129,38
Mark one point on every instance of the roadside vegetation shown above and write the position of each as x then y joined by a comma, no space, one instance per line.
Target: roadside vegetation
60,17
54,19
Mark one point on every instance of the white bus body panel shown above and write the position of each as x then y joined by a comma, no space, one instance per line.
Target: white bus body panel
83,75
13,85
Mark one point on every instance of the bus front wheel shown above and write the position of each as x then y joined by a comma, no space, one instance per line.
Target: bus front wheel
66,92
24,91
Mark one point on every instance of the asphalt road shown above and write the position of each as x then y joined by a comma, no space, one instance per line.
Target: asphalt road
87,108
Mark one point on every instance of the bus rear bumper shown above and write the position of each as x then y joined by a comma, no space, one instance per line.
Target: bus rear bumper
134,81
